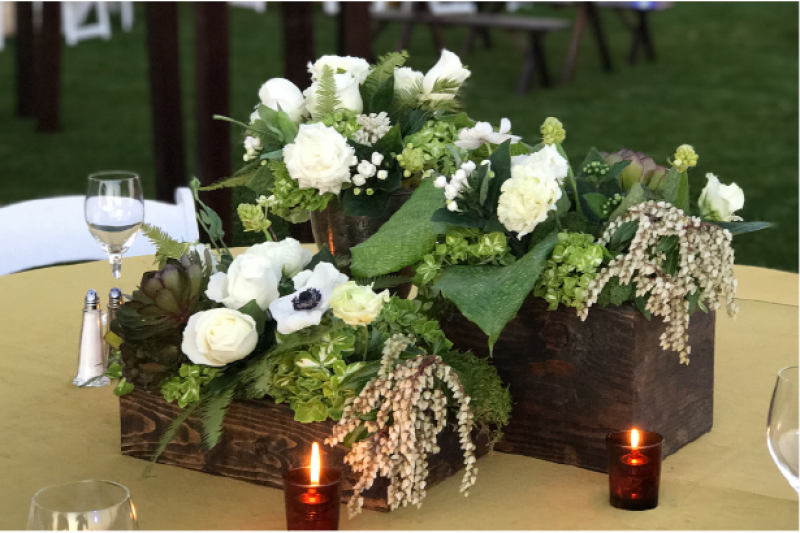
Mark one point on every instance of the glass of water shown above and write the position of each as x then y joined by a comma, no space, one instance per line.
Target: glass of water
782,426
114,211
81,506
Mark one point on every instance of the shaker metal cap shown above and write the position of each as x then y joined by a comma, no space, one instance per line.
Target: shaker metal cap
115,296
92,300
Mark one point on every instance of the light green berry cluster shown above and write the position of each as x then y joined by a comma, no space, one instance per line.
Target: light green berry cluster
464,246
185,387
553,131
596,168
253,217
344,122
569,271
684,157
291,202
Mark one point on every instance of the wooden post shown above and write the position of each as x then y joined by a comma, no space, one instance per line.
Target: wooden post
581,14
213,136
26,59
298,41
165,97
355,31
48,69
599,36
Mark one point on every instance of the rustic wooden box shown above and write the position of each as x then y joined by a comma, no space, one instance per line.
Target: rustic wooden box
573,382
261,442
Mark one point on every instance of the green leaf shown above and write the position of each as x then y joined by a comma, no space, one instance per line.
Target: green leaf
676,189
275,154
413,122
382,98
166,246
364,205
636,195
623,235
382,72
404,239
667,244
114,371
641,303
670,264
392,141
262,181
491,296
354,436
213,413
595,201
457,219
252,309
501,166
324,255
123,387
358,379
742,227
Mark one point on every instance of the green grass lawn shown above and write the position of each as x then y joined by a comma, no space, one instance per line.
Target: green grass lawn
726,81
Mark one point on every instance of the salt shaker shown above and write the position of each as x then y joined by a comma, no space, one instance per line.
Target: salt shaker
91,364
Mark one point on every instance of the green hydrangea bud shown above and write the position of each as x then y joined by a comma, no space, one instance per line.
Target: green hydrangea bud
252,217
553,131
413,159
685,157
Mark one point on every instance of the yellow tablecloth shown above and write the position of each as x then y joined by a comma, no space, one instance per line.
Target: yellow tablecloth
53,432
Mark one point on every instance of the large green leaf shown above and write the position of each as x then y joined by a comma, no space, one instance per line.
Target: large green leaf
742,227
676,189
490,296
501,166
404,239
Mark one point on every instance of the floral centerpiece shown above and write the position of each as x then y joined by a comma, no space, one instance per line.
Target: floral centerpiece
206,329
515,220
359,134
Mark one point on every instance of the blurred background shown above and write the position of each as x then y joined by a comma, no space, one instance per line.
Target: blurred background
723,77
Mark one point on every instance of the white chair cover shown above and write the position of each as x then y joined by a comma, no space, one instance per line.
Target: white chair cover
53,230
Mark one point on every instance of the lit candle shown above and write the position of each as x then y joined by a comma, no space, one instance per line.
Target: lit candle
634,469
312,495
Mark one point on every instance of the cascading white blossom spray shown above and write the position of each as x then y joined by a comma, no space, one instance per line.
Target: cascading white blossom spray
407,396
705,264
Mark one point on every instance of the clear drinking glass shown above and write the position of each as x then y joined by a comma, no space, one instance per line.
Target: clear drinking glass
782,432
83,505
114,211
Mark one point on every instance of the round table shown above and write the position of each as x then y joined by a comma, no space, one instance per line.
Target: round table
53,432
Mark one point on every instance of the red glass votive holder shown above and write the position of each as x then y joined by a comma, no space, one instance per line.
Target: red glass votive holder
312,506
634,473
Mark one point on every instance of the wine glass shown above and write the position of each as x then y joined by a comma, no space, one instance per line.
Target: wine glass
83,505
114,211
782,432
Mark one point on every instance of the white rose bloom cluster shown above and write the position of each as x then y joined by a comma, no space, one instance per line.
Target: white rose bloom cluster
373,127
448,67
282,95
407,79
457,183
357,305
288,256
719,201
319,158
355,66
527,197
367,169
252,147
705,264
408,395
482,132
550,158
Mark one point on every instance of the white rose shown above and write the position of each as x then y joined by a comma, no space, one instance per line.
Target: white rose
357,67
405,78
249,277
282,95
309,302
357,304
219,336
287,255
347,92
719,201
449,67
319,158
548,156
526,198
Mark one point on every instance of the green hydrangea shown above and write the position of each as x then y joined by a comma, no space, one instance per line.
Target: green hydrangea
553,131
427,149
186,386
400,316
464,246
343,121
253,217
572,266
291,202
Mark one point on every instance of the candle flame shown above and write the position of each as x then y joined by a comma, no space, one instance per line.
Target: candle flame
315,464
634,438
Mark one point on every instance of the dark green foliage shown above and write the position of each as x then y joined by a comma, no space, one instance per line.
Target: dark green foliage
614,293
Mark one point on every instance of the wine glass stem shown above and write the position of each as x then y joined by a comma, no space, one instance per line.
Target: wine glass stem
116,265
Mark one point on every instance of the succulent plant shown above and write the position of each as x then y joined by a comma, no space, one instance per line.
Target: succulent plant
151,323
643,169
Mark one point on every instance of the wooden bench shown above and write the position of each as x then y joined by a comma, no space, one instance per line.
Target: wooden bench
536,28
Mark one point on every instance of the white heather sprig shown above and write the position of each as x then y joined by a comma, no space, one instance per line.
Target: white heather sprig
373,127
453,188
705,264
408,395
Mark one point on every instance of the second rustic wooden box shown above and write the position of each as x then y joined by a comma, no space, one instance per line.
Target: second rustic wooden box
573,382
261,441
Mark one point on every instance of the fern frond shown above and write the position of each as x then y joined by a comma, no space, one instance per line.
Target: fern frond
326,94
384,69
384,282
406,100
213,414
239,178
443,86
168,435
166,246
